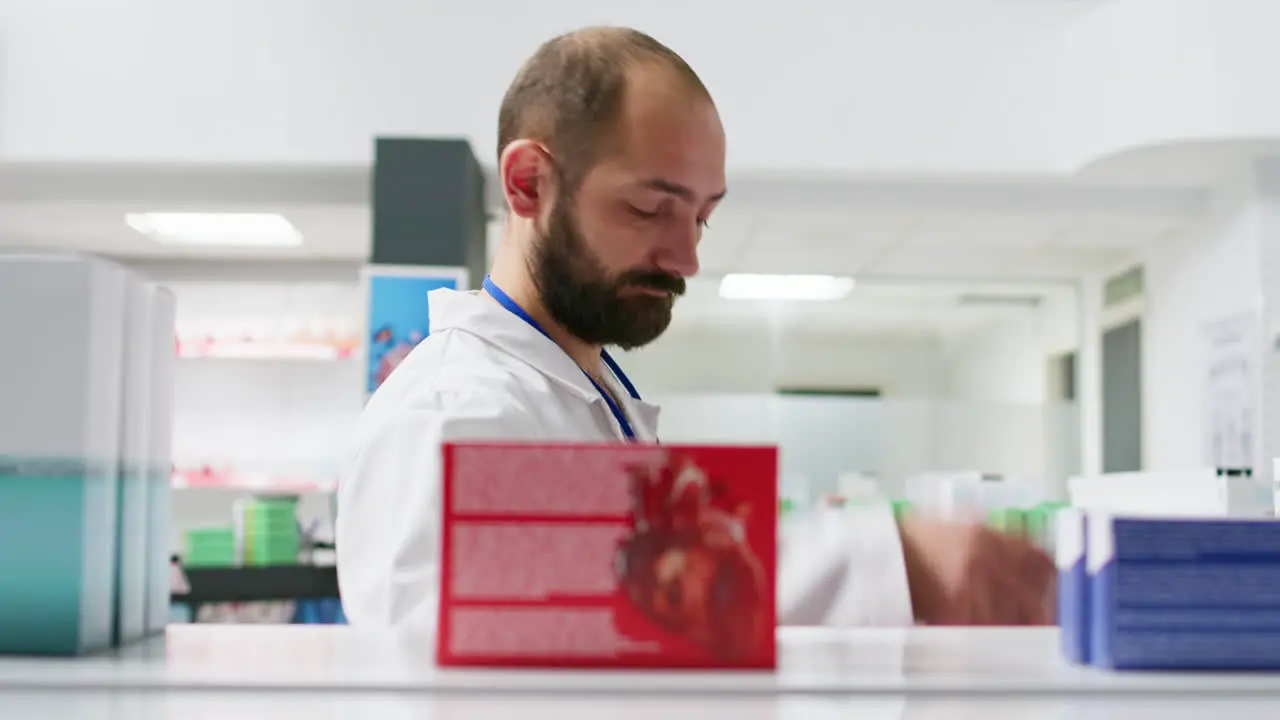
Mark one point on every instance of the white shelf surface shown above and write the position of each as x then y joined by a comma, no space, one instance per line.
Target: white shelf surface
196,705
224,667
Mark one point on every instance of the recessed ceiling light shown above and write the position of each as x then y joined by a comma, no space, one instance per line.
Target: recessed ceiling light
785,287
224,229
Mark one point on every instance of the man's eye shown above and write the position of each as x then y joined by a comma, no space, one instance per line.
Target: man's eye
643,213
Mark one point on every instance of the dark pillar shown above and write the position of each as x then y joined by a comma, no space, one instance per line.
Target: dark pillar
428,205
429,229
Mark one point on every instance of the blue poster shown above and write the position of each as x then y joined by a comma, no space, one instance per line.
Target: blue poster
398,318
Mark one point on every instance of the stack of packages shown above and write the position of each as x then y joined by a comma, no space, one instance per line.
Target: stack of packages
209,547
1168,571
269,531
86,391
264,532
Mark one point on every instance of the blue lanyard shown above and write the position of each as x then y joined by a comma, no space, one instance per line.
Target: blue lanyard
505,301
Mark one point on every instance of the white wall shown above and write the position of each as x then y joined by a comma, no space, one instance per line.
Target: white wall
1005,362
915,86
1008,361
1212,274
997,377
741,361
1152,73
922,86
1001,418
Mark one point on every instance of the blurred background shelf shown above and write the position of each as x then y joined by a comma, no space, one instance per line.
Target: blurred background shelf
255,584
254,482
277,351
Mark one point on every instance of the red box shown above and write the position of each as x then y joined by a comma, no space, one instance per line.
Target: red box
619,556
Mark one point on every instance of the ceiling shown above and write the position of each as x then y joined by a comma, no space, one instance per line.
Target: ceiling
915,247
907,243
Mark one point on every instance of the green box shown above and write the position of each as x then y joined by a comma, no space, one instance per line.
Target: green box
272,548
1036,523
1007,520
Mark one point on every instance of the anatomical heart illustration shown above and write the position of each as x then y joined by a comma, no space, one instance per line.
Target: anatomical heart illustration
621,555
688,565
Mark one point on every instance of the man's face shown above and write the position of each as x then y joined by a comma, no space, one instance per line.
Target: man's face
615,251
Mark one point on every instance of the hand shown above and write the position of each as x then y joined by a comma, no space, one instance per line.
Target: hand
965,574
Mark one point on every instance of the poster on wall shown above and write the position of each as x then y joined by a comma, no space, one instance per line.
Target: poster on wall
1233,392
398,313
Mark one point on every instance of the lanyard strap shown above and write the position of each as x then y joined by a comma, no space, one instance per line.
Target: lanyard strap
514,308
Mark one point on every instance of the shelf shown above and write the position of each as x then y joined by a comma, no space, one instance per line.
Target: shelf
949,669
253,482
252,584
321,352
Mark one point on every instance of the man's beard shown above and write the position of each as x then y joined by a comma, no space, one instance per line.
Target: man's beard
579,294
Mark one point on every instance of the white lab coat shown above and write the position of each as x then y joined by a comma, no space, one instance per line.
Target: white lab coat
485,374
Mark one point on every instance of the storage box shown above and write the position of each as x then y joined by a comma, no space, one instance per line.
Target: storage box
1198,493
272,548
1204,491
209,547
132,560
1196,594
1070,543
611,555
62,324
160,547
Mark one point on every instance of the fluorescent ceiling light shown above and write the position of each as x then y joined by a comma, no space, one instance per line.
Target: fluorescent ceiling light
226,229
785,287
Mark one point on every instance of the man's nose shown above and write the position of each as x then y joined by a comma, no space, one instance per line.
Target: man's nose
680,252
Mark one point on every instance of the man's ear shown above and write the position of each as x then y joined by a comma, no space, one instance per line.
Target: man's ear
525,172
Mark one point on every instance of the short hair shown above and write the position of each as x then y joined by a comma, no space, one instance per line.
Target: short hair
569,93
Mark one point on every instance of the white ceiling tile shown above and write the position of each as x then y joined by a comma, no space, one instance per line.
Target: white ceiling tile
942,230
888,292
1112,232
799,253
1060,263
834,224
945,262
953,251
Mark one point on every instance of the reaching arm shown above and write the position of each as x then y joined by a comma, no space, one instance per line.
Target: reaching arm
842,568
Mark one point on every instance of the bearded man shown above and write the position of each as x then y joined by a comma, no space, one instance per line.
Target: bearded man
611,157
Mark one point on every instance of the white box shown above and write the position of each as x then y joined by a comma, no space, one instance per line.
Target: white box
62,320
133,560
1073,583
164,357
1196,492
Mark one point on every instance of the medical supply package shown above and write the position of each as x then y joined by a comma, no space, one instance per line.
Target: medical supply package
609,555
1070,525
61,393
1182,593
1195,494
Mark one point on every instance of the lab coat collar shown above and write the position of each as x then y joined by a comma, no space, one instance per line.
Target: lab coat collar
472,313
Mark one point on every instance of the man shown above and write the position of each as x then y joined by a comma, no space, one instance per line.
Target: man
611,156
